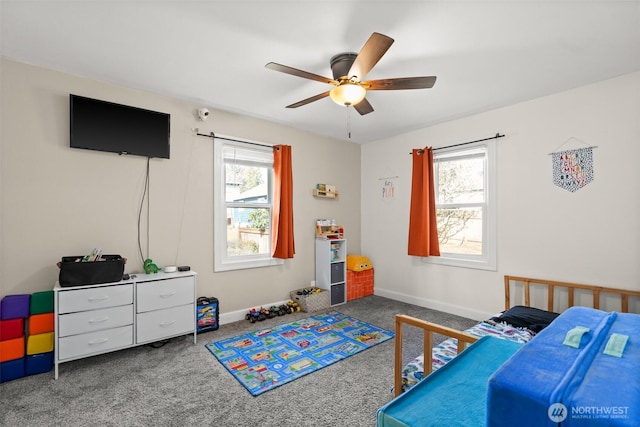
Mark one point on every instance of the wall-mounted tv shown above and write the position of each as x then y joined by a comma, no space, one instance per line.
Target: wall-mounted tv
106,126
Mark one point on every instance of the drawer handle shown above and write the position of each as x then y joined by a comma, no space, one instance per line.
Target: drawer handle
170,294
165,324
102,341
102,298
104,319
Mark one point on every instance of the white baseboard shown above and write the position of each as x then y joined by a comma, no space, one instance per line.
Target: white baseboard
234,316
435,305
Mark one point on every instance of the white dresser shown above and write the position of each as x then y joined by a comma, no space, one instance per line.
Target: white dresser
96,319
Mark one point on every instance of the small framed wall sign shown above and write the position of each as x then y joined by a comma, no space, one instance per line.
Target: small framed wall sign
388,188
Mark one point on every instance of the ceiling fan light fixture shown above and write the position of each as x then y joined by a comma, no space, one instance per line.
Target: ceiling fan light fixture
347,94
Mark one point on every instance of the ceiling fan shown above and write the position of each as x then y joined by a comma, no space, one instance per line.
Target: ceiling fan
349,70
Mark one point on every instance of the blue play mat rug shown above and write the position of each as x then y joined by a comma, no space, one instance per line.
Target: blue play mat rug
271,357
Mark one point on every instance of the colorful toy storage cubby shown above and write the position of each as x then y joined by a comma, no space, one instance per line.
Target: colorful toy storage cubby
359,284
26,335
359,276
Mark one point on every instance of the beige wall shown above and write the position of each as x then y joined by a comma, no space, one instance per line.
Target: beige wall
590,236
58,201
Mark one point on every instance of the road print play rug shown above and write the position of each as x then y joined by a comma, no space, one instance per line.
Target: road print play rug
269,358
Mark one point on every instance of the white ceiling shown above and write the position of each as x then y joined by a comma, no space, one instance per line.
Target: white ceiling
485,54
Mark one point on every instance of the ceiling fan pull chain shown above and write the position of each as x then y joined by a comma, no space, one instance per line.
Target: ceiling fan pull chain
348,123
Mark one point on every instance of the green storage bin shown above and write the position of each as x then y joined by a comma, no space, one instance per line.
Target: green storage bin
41,302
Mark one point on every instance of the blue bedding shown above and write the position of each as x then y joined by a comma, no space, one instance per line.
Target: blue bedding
454,395
563,377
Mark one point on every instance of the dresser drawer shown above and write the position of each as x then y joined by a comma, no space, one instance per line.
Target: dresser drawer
164,293
93,298
95,320
160,324
95,342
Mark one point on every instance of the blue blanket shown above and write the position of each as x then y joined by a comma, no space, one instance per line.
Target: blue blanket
454,395
564,377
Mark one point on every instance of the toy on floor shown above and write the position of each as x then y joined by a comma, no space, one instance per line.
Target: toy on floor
258,315
255,316
274,311
207,314
293,306
283,309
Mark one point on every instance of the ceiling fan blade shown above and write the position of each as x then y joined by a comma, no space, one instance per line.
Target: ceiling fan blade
400,83
363,107
309,100
300,73
369,55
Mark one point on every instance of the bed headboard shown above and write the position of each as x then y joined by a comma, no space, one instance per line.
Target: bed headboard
550,287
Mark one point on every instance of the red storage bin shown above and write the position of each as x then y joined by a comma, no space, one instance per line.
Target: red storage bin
359,284
11,329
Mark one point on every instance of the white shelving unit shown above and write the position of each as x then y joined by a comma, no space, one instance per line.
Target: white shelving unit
331,268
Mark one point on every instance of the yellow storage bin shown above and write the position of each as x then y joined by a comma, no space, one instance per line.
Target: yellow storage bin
40,343
358,263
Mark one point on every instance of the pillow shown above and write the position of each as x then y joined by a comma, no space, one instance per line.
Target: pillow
526,317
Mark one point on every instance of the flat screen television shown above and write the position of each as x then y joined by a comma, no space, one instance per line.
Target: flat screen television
106,126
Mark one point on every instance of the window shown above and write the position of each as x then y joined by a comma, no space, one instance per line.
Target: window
465,205
243,187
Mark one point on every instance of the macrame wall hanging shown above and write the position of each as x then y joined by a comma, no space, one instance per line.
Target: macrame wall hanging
573,169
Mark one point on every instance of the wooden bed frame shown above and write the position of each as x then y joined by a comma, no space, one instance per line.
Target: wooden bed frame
549,288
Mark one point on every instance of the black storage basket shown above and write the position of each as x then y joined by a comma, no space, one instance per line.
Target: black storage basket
74,273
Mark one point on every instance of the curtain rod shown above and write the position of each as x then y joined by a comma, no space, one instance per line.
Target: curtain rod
497,135
228,138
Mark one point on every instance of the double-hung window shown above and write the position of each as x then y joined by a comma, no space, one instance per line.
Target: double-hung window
465,205
243,189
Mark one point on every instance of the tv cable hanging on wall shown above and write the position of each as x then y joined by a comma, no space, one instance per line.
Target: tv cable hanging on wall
145,194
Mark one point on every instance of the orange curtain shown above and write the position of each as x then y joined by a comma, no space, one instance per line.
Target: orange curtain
423,225
282,227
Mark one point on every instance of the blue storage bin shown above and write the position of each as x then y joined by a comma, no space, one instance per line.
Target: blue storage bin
39,363
11,370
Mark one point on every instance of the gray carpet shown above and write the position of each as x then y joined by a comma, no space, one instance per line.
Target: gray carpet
182,384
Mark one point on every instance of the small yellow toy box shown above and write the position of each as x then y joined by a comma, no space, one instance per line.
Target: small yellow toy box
358,263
